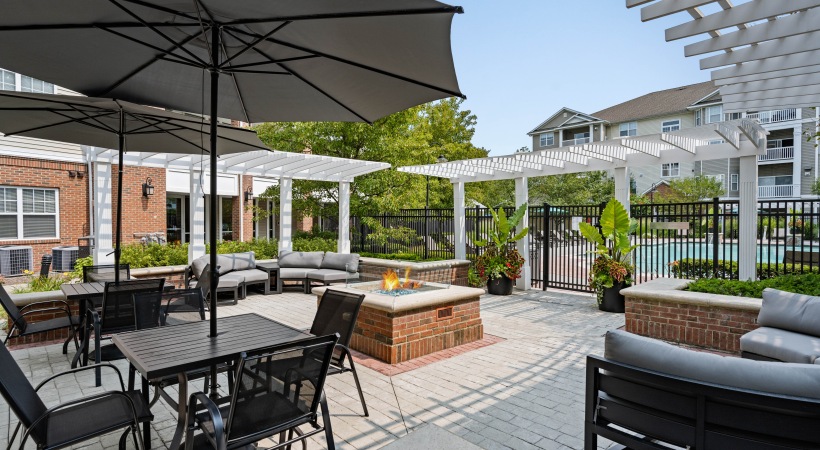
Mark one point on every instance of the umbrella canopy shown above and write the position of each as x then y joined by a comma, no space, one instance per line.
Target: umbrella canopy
115,124
254,60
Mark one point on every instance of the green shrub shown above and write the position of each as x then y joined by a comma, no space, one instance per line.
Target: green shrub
77,274
702,268
43,284
316,244
315,233
808,284
154,255
262,248
472,277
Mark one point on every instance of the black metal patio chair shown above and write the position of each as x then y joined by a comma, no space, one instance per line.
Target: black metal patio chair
74,421
21,326
277,390
182,301
105,272
116,315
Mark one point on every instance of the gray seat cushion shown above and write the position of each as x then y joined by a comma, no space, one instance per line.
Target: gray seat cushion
801,380
782,345
341,261
251,275
230,279
294,273
788,311
307,260
223,283
328,275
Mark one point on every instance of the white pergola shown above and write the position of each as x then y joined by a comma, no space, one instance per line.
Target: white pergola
766,54
284,166
744,139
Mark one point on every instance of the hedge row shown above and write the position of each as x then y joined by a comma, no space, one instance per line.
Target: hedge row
728,270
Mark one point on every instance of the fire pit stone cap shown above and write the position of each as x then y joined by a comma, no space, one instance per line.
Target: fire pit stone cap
406,302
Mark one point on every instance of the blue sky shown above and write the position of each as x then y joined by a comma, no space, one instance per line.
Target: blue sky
519,61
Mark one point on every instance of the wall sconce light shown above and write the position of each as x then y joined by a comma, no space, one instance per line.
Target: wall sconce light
147,187
806,171
249,195
72,173
80,175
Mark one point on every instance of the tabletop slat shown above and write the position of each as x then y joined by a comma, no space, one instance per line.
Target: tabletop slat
159,352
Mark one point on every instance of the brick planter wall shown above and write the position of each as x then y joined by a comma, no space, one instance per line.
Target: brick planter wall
452,271
660,309
405,335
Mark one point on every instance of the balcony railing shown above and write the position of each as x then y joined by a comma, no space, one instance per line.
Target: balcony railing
776,153
778,115
777,191
578,141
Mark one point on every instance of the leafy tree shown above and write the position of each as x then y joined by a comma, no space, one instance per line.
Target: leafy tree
693,189
572,188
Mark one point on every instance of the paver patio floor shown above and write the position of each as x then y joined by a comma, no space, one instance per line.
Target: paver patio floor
524,392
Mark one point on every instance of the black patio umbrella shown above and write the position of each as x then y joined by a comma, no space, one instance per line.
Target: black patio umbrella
282,60
115,124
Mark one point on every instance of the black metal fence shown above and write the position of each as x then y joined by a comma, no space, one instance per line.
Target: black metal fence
687,240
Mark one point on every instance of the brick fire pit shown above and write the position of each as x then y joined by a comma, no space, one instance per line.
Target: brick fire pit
398,329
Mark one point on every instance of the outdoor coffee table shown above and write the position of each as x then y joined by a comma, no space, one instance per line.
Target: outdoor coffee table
174,350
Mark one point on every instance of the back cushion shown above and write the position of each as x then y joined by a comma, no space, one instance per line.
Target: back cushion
304,260
341,261
792,312
801,380
199,265
236,261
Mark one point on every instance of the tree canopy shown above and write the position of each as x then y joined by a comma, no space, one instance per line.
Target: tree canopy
572,189
693,189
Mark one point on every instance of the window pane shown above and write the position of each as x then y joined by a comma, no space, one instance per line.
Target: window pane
8,227
7,81
28,200
39,226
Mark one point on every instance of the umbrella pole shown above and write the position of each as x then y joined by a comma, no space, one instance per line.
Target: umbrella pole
121,136
212,233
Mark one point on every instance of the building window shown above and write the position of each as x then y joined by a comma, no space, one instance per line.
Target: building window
735,182
8,81
669,126
733,116
546,139
713,114
670,170
28,213
629,129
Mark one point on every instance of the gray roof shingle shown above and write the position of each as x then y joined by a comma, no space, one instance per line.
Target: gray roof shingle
658,103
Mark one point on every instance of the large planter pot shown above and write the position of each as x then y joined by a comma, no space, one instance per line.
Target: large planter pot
612,300
500,286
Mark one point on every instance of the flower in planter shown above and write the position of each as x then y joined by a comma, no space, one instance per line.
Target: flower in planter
501,258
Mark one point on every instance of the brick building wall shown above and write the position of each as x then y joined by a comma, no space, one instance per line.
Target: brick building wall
243,211
73,197
140,214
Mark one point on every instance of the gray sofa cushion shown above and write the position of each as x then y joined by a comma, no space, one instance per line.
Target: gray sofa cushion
251,275
230,279
198,265
788,311
341,261
308,260
783,345
294,273
328,275
802,380
229,283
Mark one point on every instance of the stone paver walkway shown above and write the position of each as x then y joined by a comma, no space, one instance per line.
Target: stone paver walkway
524,392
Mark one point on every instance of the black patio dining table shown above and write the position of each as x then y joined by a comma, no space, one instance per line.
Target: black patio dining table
174,350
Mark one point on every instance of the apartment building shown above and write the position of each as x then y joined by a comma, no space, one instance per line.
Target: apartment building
787,170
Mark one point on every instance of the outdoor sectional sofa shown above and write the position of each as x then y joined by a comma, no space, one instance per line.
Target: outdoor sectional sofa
236,272
646,393
324,267
789,329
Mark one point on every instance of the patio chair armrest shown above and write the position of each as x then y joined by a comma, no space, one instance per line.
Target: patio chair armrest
218,439
53,409
80,369
188,274
47,302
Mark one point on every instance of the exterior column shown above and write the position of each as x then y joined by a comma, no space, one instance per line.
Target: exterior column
344,217
560,136
622,186
196,247
285,214
591,133
522,197
747,209
459,220
797,162
103,225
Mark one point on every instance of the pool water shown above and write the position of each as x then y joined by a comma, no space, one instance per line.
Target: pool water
656,258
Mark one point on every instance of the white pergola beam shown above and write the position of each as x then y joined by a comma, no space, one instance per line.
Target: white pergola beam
770,64
590,154
681,142
795,82
793,92
665,8
649,148
807,70
806,101
778,47
730,136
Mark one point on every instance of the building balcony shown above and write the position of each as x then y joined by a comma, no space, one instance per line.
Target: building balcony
578,141
777,115
777,154
778,191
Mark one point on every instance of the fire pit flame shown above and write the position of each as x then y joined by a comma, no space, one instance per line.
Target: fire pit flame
391,281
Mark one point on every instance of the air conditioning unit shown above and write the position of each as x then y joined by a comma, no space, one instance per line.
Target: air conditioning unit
64,257
14,259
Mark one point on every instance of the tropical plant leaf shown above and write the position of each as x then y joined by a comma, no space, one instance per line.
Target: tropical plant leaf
520,235
503,224
591,233
614,219
515,219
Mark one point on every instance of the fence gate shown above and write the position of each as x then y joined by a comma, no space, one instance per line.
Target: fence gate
567,256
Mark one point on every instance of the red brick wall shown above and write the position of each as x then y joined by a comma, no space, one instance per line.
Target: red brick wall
406,335
718,328
140,214
243,209
73,195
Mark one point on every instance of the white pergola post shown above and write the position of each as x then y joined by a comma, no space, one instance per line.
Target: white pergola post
747,232
797,162
459,220
285,214
344,217
622,186
521,197
103,226
196,246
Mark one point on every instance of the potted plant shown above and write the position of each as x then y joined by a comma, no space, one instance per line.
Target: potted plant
612,269
500,264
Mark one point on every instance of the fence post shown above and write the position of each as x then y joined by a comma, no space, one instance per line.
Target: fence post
545,246
715,236
426,230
